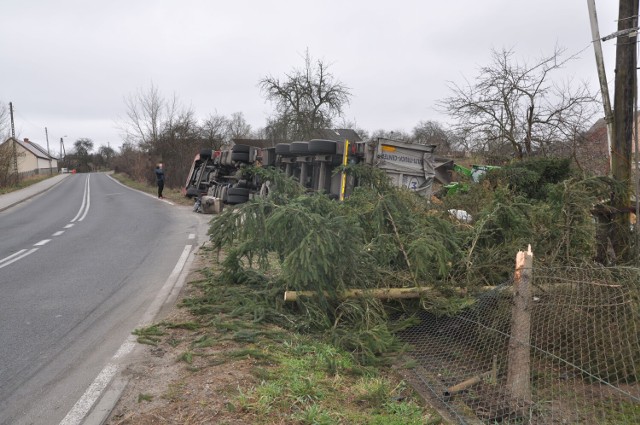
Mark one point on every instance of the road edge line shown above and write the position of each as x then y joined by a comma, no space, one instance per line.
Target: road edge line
94,407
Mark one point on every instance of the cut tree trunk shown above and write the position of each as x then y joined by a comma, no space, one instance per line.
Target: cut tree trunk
519,355
381,293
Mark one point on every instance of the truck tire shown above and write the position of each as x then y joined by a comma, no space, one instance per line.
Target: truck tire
237,195
299,148
192,192
235,199
241,148
322,146
282,149
239,156
205,153
238,191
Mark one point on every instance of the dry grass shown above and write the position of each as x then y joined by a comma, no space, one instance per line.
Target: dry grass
172,194
26,182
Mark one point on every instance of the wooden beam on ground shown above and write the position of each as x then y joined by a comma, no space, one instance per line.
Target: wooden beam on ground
381,293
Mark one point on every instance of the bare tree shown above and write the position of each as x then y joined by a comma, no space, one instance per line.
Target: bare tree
306,99
132,161
83,146
517,105
237,127
82,154
391,134
146,114
180,139
277,129
106,154
432,133
214,130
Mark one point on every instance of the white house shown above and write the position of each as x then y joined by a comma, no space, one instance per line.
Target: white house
31,157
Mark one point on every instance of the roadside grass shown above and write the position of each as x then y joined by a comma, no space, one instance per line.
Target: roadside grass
311,382
298,378
174,195
26,182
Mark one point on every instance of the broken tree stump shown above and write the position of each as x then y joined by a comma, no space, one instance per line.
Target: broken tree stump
519,354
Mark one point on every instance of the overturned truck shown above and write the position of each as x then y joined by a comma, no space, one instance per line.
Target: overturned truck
220,176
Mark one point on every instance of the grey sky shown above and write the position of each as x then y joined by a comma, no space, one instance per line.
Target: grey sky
68,65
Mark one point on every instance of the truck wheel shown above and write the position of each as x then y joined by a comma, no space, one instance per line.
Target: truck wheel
237,195
241,148
205,153
282,149
239,156
322,146
239,191
299,148
191,192
234,200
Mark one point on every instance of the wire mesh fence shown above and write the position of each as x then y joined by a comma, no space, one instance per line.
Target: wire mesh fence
583,352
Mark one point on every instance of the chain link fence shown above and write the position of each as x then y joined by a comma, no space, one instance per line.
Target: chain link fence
583,352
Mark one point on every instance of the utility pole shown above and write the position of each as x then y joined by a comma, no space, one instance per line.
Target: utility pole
602,76
63,153
623,124
46,133
15,148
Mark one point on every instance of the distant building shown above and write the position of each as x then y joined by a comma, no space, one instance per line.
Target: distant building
32,158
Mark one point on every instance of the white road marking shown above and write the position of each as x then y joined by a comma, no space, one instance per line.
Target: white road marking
159,300
86,210
58,233
84,207
68,226
192,236
144,193
15,254
42,242
126,348
15,257
84,405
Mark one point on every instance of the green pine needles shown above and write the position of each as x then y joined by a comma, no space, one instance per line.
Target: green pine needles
385,237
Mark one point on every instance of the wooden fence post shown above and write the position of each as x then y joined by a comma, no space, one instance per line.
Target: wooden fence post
519,355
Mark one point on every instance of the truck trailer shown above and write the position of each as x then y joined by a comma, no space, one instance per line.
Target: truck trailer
222,174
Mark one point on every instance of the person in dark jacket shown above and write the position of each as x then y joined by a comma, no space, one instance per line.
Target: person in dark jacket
160,179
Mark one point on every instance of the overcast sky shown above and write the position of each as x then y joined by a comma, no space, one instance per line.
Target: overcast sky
68,65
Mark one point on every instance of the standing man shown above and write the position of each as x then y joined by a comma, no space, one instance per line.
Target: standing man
160,179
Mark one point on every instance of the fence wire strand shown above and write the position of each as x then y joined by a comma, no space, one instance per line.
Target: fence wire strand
584,351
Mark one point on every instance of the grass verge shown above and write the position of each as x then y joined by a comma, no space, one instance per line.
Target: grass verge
174,195
287,377
26,182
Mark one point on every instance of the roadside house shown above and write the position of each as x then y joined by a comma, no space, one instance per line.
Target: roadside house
32,158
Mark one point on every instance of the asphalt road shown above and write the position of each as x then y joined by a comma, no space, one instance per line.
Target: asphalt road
79,265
